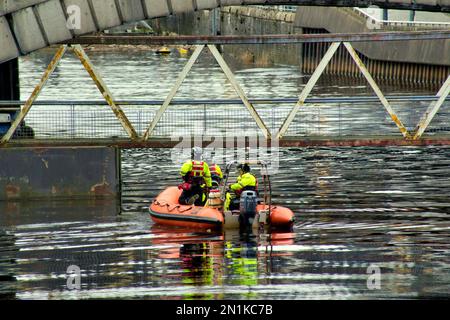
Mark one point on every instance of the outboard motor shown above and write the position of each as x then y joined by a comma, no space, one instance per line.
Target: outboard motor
247,207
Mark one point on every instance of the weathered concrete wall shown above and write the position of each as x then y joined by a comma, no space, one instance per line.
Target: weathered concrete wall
341,20
248,20
199,23
408,62
238,21
57,173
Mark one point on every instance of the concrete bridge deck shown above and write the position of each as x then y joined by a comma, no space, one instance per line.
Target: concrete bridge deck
29,25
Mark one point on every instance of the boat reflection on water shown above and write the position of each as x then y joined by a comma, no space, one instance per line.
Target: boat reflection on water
214,260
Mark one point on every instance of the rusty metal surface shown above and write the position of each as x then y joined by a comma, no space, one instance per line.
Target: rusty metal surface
287,141
365,142
58,172
126,39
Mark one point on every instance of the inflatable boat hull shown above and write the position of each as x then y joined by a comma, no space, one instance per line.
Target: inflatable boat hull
166,210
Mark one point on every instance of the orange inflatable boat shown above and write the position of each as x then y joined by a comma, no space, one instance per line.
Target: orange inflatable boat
166,210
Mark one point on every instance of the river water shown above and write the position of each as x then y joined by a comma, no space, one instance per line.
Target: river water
370,222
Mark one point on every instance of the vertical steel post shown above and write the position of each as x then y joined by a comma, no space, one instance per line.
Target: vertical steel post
34,95
173,91
432,109
309,86
72,120
229,74
205,119
376,89
106,93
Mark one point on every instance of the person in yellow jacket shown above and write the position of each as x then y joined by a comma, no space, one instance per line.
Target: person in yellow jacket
245,181
197,179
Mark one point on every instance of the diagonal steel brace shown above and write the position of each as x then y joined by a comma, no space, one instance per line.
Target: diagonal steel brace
376,89
173,91
432,109
106,93
35,94
309,86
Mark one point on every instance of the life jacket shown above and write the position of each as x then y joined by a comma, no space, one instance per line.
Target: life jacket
197,173
197,168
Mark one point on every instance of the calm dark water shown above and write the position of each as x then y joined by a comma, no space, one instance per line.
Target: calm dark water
357,209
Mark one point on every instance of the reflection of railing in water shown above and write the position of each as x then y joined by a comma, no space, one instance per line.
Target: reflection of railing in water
328,117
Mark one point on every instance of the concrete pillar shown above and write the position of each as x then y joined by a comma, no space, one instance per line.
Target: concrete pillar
216,26
9,90
9,80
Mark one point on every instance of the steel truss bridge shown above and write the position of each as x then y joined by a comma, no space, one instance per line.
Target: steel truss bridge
149,137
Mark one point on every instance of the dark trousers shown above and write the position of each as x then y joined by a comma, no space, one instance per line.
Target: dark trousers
234,204
186,195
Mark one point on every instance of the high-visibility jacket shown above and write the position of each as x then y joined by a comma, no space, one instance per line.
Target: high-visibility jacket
215,170
197,169
244,182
